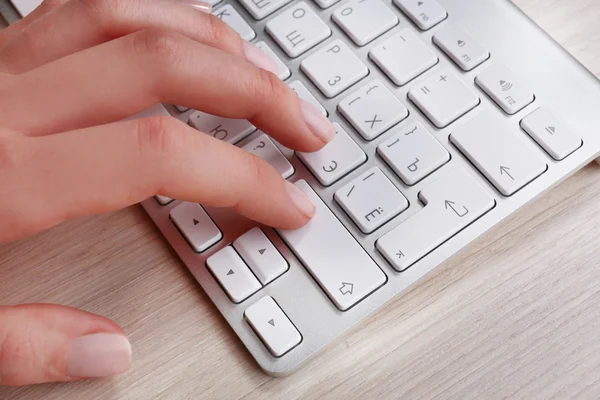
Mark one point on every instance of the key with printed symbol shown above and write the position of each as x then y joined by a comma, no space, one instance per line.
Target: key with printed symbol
342,268
403,57
424,13
501,85
364,20
260,254
443,98
272,326
304,94
283,72
259,9
372,109
228,130
413,153
196,226
498,152
336,160
233,274
298,29
263,147
551,133
452,202
367,211
334,68
461,47
231,17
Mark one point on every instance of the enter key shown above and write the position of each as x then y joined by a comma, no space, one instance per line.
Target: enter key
454,201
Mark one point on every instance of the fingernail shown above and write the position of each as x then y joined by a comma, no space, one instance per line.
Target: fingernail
98,355
317,122
300,200
197,4
257,57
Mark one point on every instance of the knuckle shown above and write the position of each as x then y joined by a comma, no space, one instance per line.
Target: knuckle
258,171
101,10
158,137
268,87
164,46
218,32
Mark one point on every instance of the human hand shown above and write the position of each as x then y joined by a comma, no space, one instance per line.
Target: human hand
70,73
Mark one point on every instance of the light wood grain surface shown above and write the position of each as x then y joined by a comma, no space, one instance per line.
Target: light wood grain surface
517,316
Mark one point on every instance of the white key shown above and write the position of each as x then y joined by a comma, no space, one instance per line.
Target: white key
228,130
403,57
304,94
196,226
233,274
181,109
298,29
452,202
443,98
413,153
424,13
461,47
498,152
551,133
334,68
25,7
261,8
326,3
231,17
364,20
371,200
501,85
336,160
340,265
264,148
372,109
261,256
272,326
283,72
163,200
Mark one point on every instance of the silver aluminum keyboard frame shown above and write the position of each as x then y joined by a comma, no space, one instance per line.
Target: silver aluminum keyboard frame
555,77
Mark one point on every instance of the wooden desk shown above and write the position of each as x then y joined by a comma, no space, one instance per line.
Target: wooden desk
516,317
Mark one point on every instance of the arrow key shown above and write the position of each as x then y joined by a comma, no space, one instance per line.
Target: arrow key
196,226
261,255
233,274
273,327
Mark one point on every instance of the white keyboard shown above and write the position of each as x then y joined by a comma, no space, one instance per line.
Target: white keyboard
450,116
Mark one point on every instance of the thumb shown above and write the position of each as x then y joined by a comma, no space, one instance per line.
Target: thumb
49,343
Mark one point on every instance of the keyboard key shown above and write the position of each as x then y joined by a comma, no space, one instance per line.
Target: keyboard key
25,7
233,274
228,130
163,200
460,46
304,94
454,201
272,326
263,147
424,13
443,98
326,3
231,17
372,109
336,160
298,29
500,84
341,267
181,109
551,133
262,8
196,226
413,153
261,256
334,68
403,57
283,72
498,152
371,200
364,20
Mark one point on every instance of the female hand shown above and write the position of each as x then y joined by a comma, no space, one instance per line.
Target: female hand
70,73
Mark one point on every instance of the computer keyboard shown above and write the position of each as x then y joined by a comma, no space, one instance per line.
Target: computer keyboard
450,115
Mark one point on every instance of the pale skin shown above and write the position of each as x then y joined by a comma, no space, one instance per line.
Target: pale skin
70,73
